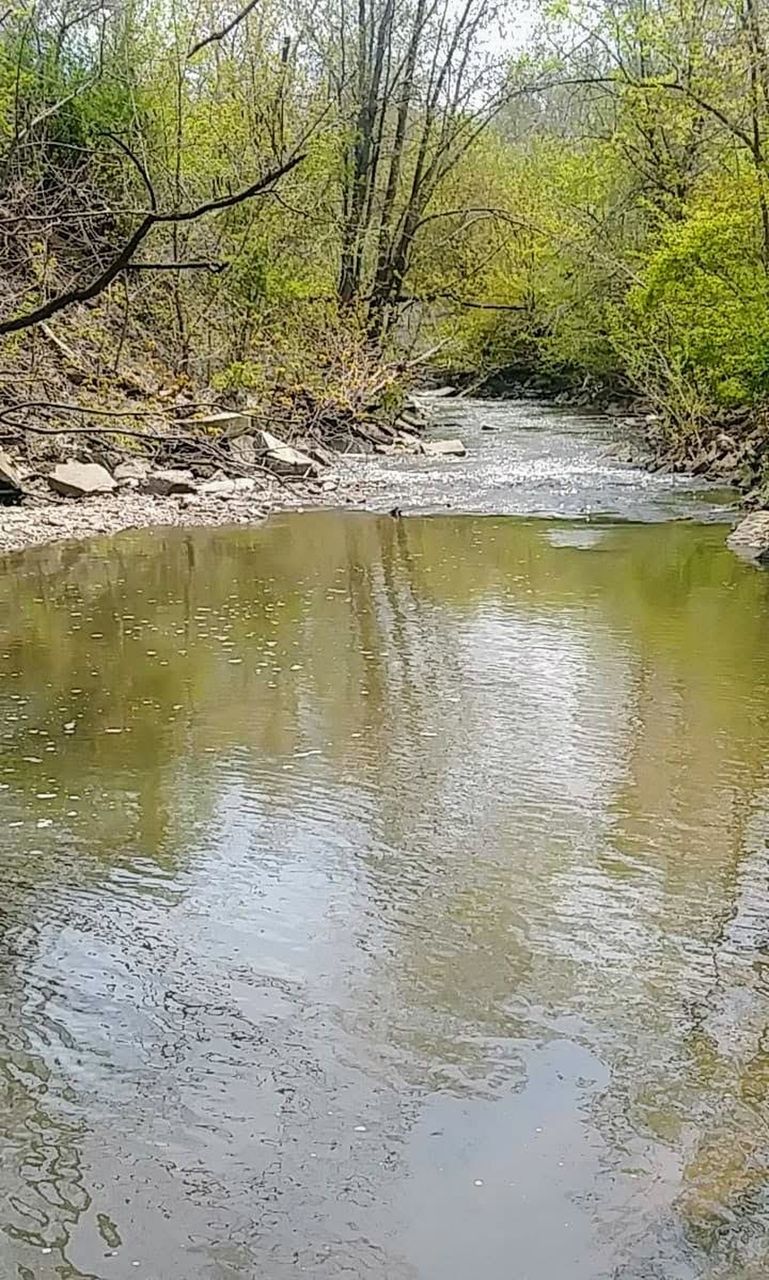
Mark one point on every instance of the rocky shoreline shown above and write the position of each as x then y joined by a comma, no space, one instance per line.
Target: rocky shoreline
239,477
32,525
24,527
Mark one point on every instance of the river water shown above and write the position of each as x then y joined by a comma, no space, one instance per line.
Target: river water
389,898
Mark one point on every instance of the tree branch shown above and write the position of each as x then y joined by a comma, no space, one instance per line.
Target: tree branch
132,156
123,259
215,268
447,296
225,31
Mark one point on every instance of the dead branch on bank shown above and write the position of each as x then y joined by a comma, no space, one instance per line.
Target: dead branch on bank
124,257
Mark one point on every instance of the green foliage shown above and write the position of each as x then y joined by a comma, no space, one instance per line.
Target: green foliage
610,229
633,232
703,299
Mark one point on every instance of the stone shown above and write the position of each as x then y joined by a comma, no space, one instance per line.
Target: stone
751,537
226,487
243,450
728,465
444,448
80,479
375,433
164,483
411,420
227,424
285,460
133,469
441,392
10,481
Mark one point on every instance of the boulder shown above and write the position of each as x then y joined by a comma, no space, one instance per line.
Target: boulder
10,481
285,460
751,537
411,420
728,465
80,479
443,391
164,483
376,432
444,448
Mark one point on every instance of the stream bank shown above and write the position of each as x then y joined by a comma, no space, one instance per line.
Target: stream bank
523,457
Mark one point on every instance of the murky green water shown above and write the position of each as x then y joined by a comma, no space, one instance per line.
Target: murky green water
386,899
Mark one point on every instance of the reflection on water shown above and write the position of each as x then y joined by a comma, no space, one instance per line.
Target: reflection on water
385,898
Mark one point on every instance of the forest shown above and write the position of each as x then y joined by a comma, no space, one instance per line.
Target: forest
286,201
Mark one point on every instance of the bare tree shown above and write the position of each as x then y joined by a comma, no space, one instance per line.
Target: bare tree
415,82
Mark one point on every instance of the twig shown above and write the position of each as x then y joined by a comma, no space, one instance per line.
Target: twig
225,31
61,346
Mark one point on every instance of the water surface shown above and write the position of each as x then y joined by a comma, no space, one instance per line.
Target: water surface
385,898
526,458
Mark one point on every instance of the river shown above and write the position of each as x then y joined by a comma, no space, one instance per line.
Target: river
389,898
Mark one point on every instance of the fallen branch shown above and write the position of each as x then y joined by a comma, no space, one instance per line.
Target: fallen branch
199,447
64,407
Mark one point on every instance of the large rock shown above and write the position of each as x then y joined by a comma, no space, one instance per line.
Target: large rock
412,419
10,481
444,448
285,460
164,483
80,479
409,442
751,537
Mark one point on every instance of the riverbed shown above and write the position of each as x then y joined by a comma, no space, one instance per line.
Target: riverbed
387,897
